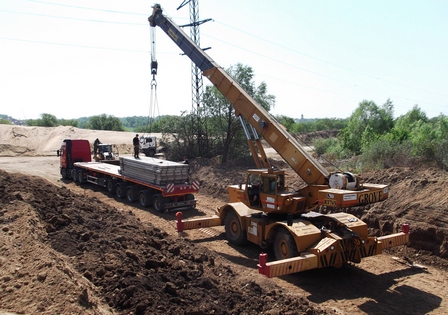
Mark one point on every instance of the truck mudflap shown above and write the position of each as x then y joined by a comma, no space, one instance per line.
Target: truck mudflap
329,252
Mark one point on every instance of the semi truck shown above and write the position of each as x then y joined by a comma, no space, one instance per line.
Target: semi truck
162,184
263,210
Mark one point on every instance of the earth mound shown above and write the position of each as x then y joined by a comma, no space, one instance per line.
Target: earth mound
82,256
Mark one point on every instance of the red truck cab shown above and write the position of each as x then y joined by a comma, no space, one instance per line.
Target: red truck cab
72,151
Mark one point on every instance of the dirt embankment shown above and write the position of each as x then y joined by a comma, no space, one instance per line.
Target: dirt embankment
66,254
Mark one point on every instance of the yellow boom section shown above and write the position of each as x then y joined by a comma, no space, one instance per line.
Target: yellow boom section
274,134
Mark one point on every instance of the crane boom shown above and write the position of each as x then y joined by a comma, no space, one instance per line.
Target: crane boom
340,189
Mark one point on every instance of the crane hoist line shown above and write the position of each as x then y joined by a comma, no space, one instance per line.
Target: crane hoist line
148,141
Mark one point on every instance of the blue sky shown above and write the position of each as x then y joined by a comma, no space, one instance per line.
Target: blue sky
319,58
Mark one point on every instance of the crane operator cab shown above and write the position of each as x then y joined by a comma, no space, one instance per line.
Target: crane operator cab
263,187
253,189
265,190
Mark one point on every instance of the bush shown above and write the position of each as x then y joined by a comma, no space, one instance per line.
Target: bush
384,154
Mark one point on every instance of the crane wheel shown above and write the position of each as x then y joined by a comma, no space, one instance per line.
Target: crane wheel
234,231
284,245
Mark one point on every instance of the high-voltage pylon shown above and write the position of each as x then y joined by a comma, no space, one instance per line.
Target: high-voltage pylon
197,87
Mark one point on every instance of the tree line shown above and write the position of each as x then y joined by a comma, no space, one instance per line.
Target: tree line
371,138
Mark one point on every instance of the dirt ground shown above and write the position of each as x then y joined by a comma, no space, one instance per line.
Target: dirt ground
71,249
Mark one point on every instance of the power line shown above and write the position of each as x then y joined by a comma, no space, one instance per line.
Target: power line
86,8
70,18
328,62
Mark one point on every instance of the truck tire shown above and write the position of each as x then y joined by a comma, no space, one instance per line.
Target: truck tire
80,177
74,175
234,231
145,197
120,190
284,245
64,173
157,202
150,153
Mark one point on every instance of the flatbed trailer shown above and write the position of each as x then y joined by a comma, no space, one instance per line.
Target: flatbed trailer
165,197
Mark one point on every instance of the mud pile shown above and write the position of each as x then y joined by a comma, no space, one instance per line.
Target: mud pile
66,253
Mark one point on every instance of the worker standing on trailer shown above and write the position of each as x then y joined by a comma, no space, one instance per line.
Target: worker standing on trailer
136,143
95,146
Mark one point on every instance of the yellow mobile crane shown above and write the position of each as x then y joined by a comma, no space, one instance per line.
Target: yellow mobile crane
263,210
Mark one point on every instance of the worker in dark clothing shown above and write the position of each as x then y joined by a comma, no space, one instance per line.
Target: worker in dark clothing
136,143
95,146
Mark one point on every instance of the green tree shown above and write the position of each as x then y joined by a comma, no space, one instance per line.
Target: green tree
287,122
4,121
223,125
366,125
105,122
405,124
45,120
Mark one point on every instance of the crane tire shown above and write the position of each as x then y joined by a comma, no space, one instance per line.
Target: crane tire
284,245
234,231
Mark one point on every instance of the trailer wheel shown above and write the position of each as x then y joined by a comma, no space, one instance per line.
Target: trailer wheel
157,202
284,245
110,185
234,231
131,193
145,198
120,190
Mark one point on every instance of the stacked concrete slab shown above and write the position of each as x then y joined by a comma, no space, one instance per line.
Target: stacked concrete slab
154,171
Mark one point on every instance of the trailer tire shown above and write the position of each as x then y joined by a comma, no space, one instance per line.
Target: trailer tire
157,202
234,231
284,245
120,190
110,185
145,198
132,193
